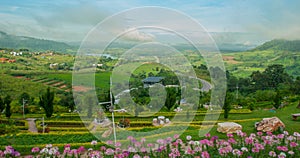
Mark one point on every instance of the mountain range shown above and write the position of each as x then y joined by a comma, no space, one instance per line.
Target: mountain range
34,44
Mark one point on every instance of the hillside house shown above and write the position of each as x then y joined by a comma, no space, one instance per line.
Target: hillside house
151,81
3,60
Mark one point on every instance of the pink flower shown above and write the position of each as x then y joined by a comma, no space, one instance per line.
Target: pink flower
160,141
205,154
102,148
130,137
229,135
207,135
272,154
259,133
269,133
150,145
232,141
293,144
255,150
280,136
282,148
109,142
137,144
1,153
143,140
176,136
136,156
248,140
80,150
35,149
118,144
109,151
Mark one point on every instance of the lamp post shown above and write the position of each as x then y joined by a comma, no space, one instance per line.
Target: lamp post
24,101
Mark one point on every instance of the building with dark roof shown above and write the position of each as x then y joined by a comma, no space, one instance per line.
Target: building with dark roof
152,80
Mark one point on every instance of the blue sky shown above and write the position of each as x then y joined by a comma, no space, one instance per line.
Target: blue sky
241,21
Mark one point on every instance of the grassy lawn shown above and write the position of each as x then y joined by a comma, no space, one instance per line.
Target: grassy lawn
76,134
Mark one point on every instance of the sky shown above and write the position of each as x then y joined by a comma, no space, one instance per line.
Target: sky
229,21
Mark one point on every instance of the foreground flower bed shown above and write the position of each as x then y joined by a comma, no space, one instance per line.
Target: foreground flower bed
239,145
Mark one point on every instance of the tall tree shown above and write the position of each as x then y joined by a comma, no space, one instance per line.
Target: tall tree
67,100
170,99
227,107
2,105
26,97
7,101
46,102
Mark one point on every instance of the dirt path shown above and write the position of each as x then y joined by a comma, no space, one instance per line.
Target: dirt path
31,125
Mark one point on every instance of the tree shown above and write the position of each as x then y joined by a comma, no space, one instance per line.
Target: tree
46,102
298,105
26,97
67,100
7,101
277,99
170,99
227,107
2,105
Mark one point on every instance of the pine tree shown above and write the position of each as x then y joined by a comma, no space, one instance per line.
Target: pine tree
7,101
46,102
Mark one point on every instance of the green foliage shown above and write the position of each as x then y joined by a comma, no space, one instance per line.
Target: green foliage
280,44
26,97
171,98
277,99
46,102
7,101
227,106
2,105
67,100
19,42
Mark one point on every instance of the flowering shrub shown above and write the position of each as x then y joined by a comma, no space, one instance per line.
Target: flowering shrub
239,145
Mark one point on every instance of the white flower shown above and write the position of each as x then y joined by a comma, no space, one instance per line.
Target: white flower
290,138
244,149
197,143
49,146
285,132
188,137
296,134
44,150
291,152
94,142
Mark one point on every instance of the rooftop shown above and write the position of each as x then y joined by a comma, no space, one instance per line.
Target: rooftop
153,79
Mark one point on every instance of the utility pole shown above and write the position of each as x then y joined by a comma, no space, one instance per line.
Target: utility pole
112,111
237,91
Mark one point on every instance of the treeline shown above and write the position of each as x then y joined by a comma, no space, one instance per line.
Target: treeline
272,85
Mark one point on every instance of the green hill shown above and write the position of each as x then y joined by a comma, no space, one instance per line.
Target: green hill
280,44
33,44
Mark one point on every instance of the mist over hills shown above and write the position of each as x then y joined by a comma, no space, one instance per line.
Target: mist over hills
280,44
33,44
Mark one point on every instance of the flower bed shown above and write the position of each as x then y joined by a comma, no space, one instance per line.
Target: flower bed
239,145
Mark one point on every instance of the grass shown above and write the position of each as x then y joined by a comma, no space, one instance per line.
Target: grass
76,135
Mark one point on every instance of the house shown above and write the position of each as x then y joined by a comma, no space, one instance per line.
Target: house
11,61
3,60
152,80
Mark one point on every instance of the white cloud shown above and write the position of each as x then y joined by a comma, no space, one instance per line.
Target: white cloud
134,34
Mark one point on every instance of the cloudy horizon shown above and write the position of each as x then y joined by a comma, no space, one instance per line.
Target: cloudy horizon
245,22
